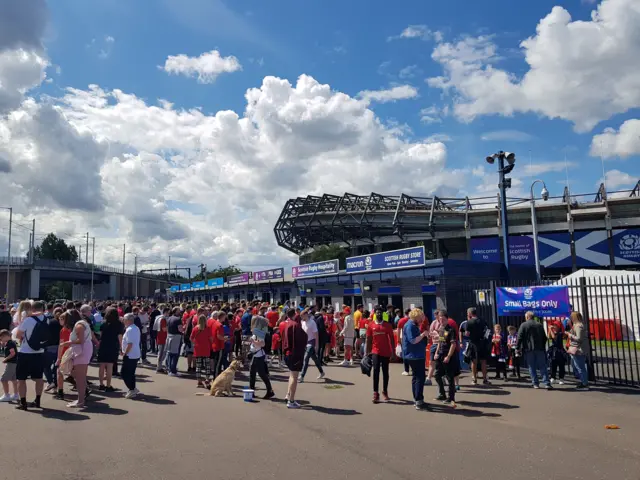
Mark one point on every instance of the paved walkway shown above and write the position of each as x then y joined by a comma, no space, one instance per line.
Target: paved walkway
502,431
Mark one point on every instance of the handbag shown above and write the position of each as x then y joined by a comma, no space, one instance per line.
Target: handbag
66,363
572,350
366,365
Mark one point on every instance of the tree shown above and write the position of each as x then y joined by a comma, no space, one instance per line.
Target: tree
54,248
221,271
57,290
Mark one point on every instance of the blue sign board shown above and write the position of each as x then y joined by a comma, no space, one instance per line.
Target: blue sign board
323,291
485,249
429,289
592,248
353,291
521,250
555,250
199,284
626,246
215,282
174,288
185,286
550,301
389,290
405,258
328,267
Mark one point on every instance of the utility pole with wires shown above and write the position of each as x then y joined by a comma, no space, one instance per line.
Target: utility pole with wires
93,261
86,257
7,299
169,270
33,241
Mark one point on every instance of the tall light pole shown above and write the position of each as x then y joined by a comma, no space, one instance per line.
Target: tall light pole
93,262
135,268
9,253
503,185
534,223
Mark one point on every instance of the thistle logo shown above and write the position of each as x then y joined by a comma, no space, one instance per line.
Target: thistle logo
528,293
368,262
630,242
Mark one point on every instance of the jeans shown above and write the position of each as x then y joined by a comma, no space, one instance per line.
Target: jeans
580,367
152,340
173,362
259,366
143,342
310,354
377,362
557,369
162,349
537,360
49,358
418,378
447,370
128,373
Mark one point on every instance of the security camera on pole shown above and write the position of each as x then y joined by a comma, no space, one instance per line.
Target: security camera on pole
503,185
534,223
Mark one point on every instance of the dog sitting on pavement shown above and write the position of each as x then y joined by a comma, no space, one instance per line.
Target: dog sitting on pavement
224,382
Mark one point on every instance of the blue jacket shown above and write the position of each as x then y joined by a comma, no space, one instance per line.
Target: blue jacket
245,323
412,351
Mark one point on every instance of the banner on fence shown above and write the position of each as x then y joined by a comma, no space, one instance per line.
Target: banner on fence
550,301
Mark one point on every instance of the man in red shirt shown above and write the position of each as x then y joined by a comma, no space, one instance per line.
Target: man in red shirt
401,323
381,346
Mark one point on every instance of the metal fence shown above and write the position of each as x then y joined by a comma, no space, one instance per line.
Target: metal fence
609,304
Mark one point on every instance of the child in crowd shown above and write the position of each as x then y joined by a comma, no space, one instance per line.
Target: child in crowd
512,344
499,352
10,363
276,342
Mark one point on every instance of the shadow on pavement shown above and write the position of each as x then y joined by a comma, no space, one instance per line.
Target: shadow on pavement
398,401
464,412
104,409
330,411
63,415
486,391
153,399
334,382
499,405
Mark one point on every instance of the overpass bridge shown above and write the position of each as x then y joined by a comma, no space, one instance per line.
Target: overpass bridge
28,279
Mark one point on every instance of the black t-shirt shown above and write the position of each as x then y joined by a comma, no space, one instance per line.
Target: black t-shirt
54,331
5,320
109,335
476,328
173,325
7,351
152,317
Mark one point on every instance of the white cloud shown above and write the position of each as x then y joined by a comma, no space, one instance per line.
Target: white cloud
409,71
617,179
438,137
206,67
540,168
20,71
622,143
400,92
433,114
580,71
417,31
507,136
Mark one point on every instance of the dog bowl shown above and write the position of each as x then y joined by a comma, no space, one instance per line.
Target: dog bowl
248,395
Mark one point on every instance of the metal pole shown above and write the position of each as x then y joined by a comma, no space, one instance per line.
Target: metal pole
135,263
93,261
30,248
534,225
33,241
169,271
124,248
503,213
9,256
86,255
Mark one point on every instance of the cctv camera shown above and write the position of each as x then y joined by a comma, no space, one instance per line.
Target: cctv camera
545,194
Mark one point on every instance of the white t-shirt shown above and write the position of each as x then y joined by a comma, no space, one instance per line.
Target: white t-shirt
144,321
157,323
27,326
311,329
256,350
132,336
97,318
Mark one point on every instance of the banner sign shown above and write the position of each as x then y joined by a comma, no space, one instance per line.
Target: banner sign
275,274
236,279
199,284
405,258
521,250
485,249
215,282
626,246
174,288
551,301
592,248
555,250
328,267
185,286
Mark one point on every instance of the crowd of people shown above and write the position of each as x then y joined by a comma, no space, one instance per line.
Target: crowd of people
59,342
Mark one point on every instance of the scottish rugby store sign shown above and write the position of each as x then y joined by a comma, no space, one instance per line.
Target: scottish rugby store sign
329,267
551,301
405,258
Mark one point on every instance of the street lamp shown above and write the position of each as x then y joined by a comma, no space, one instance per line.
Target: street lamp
135,256
503,185
534,223
9,253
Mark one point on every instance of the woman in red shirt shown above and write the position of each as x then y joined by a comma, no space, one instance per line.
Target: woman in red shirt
201,340
381,346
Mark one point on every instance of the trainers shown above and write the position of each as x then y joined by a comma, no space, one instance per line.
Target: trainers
474,382
321,376
293,404
549,387
536,386
50,388
75,404
406,374
385,397
419,404
59,395
343,363
450,403
102,388
440,398
428,382
129,394
351,363
269,395
6,398
560,382
486,382
376,398
300,379
582,387
552,380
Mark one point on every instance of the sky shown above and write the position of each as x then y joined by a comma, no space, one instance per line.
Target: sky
181,127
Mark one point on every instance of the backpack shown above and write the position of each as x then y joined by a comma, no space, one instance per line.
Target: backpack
39,335
366,365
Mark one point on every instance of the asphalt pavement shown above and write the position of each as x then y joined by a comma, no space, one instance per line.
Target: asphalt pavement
501,431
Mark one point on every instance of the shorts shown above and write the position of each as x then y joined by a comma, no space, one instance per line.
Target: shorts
30,365
478,351
432,351
9,373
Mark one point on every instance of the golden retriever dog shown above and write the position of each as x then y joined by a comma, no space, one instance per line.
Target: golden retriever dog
224,381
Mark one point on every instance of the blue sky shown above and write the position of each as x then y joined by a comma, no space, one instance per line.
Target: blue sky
455,72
